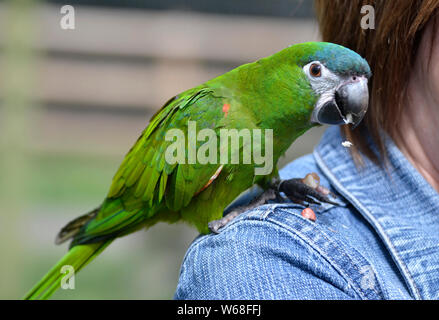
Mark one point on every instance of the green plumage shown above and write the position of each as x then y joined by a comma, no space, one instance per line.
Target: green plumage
272,93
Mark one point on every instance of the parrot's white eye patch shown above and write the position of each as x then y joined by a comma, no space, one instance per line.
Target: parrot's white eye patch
322,80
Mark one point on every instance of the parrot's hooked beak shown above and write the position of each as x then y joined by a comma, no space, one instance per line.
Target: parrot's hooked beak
347,104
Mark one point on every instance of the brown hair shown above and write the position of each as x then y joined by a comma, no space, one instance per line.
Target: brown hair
390,49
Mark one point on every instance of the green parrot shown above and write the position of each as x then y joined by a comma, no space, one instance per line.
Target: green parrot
282,96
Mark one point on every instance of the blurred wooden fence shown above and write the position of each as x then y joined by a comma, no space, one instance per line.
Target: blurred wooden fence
128,62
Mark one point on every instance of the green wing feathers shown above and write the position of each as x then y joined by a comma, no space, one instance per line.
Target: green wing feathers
145,183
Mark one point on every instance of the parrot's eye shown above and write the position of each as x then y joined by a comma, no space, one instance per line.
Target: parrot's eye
315,70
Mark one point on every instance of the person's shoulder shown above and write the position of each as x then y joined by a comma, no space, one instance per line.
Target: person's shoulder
273,252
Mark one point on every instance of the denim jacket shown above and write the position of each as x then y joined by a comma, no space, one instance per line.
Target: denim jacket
382,242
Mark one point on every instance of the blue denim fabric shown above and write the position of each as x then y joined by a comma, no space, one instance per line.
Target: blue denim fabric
382,242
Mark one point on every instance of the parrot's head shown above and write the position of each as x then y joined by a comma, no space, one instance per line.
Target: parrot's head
338,77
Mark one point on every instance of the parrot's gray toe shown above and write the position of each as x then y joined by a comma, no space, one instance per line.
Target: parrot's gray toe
214,226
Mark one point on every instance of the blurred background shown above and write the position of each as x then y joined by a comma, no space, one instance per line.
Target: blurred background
72,102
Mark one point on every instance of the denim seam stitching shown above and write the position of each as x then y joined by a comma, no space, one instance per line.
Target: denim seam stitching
369,217
287,228
317,249
354,263
269,210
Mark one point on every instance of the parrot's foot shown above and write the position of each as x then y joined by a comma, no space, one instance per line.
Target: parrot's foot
307,190
270,194
304,191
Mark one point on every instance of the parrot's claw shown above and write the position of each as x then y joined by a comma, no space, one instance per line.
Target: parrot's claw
270,194
307,190
215,225
304,191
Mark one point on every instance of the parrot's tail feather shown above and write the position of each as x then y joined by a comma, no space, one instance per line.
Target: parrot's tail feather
78,257
73,227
